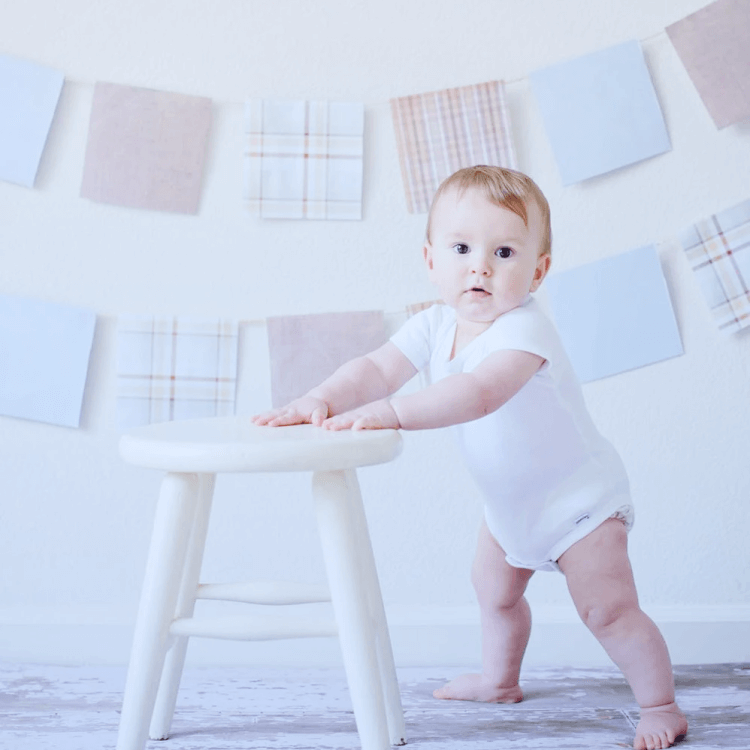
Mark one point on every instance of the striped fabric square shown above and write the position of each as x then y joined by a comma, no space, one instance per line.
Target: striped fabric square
304,159
442,131
718,250
171,368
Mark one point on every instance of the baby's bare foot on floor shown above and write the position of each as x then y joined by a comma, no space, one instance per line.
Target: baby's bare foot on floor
660,727
477,687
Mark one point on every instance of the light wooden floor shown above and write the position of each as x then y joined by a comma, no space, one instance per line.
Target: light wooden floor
76,708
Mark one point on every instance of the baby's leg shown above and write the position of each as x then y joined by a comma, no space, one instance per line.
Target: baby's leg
506,623
601,583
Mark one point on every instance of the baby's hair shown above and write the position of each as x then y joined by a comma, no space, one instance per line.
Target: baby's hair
507,188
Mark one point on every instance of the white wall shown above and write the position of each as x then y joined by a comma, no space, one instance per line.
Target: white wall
75,521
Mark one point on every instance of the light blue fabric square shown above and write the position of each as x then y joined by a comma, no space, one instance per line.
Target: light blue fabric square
600,112
615,314
44,359
28,98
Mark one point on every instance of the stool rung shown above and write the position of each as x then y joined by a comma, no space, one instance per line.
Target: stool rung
265,592
253,627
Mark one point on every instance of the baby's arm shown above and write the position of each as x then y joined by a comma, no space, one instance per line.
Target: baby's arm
359,381
458,398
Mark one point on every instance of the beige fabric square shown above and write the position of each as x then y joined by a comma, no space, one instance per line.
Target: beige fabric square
306,349
714,46
442,131
146,149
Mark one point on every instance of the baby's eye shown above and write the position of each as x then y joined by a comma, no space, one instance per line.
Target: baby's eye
461,249
504,252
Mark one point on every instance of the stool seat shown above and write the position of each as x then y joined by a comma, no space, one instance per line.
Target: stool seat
192,453
235,444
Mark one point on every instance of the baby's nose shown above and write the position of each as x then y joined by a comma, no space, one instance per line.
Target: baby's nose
482,265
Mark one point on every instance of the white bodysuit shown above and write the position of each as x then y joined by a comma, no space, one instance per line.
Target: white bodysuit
548,476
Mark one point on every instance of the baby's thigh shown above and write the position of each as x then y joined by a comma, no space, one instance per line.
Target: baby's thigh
498,584
598,570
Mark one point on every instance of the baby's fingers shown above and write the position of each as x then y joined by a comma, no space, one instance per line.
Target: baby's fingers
339,422
291,416
367,423
265,418
319,416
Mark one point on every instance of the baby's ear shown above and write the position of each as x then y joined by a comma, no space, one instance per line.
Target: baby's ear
427,254
542,266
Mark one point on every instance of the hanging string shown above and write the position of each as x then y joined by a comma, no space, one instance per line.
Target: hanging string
659,35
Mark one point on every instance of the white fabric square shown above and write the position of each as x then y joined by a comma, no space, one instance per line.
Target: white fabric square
175,368
718,250
304,159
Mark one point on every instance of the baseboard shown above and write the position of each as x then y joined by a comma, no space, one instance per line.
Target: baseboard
437,636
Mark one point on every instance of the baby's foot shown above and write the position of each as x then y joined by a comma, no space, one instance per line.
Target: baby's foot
477,687
660,727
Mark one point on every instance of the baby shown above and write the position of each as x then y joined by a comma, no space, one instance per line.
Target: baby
556,493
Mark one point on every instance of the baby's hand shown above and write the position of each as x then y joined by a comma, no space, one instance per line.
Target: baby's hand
305,410
378,415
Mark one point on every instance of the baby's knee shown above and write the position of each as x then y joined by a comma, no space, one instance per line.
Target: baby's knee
598,617
493,593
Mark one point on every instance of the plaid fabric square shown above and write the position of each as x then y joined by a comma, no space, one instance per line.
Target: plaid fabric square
171,368
304,159
440,132
718,249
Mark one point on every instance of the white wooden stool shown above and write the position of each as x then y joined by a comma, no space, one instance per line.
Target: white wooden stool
193,452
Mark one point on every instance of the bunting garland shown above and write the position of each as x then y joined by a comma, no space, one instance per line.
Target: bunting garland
304,160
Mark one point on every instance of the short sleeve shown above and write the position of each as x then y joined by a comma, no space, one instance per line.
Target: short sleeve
526,329
416,337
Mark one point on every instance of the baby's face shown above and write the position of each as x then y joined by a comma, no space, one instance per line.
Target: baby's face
482,257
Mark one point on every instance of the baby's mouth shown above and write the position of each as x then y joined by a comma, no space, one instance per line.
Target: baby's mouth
478,289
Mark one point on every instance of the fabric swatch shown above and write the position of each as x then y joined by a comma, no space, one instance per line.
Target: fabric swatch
44,358
600,112
615,314
171,368
306,349
304,159
146,149
28,98
713,46
718,250
441,132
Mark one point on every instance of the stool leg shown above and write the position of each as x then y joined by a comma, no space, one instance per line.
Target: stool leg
166,698
393,708
338,535
175,512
